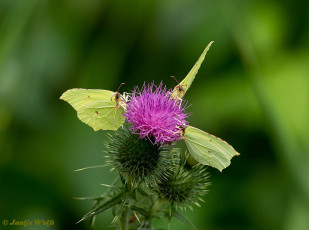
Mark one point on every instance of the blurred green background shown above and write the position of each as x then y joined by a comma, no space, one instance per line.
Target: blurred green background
252,90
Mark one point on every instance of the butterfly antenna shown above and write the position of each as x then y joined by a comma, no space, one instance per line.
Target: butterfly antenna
175,79
120,86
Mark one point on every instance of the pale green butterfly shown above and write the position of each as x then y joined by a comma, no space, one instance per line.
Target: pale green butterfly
208,149
204,147
180,90
100,109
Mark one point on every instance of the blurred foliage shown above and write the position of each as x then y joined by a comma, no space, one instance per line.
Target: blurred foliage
252,90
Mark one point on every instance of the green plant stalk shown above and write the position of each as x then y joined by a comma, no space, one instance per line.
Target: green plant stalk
124,219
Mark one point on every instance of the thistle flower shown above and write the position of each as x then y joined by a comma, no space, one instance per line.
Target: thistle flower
154,114
147,123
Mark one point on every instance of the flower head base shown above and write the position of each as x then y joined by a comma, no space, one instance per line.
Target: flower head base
138,160
154,114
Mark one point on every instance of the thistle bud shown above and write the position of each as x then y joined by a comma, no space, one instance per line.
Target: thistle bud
185,186
138,159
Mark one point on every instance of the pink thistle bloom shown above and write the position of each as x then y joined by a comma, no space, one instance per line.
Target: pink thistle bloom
153,114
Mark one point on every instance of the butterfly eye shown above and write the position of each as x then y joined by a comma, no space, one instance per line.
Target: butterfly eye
117,96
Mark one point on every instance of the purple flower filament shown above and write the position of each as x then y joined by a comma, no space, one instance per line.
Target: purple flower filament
152,113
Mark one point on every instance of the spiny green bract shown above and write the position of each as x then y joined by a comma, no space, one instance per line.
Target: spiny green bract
138,159
185,186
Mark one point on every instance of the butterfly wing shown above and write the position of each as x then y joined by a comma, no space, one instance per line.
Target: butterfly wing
97,108
208,149
180,90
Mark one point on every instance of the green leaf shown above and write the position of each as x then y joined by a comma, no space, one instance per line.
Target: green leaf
180,90
122,214
116,199
90,198
208,149
92,222
141,210
180,217
100,109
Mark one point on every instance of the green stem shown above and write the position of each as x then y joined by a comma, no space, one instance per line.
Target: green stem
156,206
124,220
